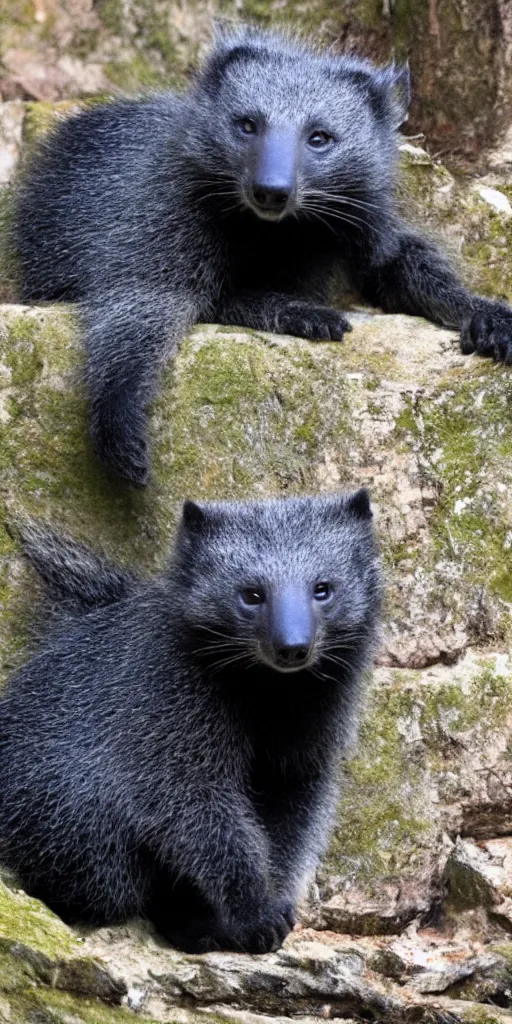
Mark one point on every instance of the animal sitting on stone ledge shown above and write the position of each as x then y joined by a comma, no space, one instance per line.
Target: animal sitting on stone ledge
172,749
237,202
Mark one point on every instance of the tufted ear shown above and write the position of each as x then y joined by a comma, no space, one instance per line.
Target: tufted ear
387,89
340,507
358,504
194,518
231,43
395,82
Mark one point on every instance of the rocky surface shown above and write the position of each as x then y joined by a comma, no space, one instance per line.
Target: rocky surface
52,976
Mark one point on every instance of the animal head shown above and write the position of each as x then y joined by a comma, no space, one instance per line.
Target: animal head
288,129
285,583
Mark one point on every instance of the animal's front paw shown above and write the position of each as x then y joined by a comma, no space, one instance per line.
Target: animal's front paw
318,323
266,932
196,939
488,331
118,435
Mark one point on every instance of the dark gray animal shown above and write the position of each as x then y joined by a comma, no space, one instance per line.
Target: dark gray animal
236,202
171,752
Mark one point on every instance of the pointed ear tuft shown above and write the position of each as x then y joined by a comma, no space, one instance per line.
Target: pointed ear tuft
396,79
194,518
358,504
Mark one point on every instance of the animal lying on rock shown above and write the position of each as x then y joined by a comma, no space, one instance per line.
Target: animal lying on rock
237,202
172,749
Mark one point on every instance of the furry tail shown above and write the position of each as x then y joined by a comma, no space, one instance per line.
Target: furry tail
70,571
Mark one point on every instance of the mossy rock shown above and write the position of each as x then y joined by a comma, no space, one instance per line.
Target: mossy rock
433,747
471,216
44,973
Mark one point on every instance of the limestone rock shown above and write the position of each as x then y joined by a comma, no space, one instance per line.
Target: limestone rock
313,976
11,123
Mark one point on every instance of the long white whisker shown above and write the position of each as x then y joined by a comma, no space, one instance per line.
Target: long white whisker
323,675
345,218
340,197
337,214
319,217
336,660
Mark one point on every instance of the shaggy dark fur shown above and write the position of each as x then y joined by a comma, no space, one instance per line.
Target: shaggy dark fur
236,202
172,751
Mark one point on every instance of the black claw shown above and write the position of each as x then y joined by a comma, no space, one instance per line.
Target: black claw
317,323
489,332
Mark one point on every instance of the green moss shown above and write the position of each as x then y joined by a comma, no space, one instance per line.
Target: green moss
380,820
40,118
45,1006
406,423
476,1013
112,14
27,921
461,434
258,412
469,518
139,73
7,259
487,252
155,60
383,822
19,970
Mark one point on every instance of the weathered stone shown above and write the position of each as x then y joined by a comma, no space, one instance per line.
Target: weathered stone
433,758
40,958
480,876
470,215
11,124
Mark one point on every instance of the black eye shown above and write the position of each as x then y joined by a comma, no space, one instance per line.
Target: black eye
247,126
319,139
322,591
253,595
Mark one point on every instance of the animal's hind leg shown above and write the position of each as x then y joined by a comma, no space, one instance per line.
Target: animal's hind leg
128,336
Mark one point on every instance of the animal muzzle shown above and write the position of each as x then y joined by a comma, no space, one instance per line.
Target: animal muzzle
291,631
271,192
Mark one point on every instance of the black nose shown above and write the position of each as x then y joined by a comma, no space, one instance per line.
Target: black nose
269,197
293,655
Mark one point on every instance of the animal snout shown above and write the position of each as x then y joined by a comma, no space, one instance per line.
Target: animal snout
272,198
293,655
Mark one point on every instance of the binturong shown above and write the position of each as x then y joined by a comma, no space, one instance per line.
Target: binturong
172,749
238,202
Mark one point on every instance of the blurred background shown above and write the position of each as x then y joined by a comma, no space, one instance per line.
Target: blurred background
460,53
